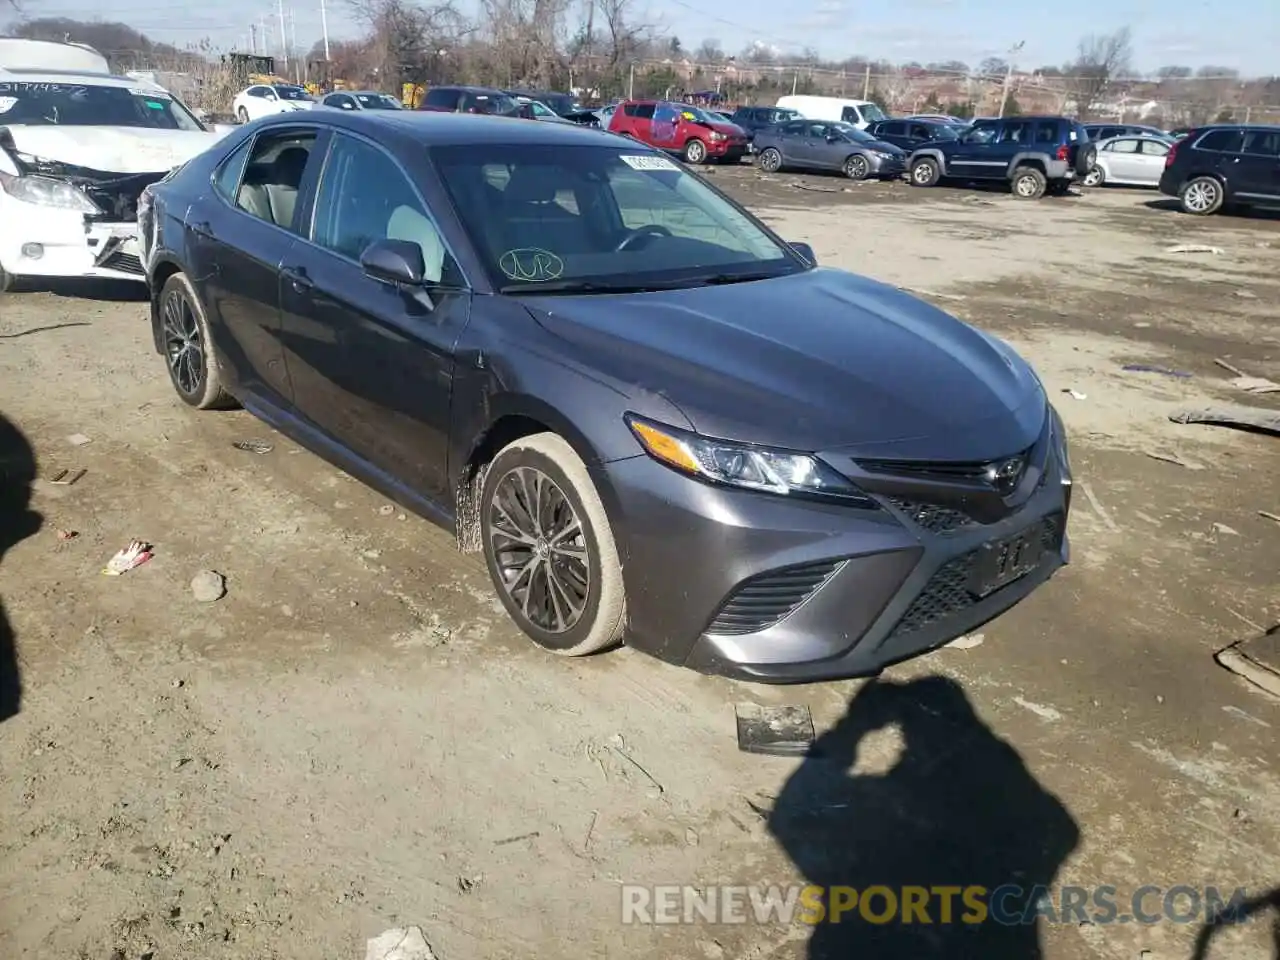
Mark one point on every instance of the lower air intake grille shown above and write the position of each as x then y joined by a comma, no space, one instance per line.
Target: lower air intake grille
947,592
764,600
124,262
932,516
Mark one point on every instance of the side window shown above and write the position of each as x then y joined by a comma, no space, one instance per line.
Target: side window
1046,132
441,97
364,197
343,101
629,109
1223,141
256,92
795,128
919,131
981,133
227,178
817,131
1016,131
273,175
644,111
1262,143
1125,146
1154,148
850,115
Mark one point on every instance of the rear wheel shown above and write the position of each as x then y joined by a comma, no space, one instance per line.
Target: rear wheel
1096,177
189,353
1202,196
770,160
925,172
1028,183
549,547
695,152
856,167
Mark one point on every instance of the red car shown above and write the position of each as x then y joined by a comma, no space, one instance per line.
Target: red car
680,128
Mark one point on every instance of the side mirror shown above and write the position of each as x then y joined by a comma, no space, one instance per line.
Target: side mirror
675,121
805,251
397,262
833,138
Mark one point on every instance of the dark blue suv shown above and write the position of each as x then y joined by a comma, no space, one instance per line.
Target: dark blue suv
1034,155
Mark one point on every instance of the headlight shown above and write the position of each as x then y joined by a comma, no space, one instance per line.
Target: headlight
743,465
1060,447
46,192
717,136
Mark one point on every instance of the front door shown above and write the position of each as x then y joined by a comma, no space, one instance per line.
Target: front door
378,364
1124,160
974,155
254,202
666,127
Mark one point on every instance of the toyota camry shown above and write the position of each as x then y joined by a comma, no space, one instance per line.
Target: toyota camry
660,423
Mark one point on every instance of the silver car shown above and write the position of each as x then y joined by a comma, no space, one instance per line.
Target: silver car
1133,161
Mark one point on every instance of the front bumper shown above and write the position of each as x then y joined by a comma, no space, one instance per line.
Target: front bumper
41,242
727,149
857,590
888,166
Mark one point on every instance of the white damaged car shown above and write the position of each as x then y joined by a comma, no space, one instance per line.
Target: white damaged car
76,152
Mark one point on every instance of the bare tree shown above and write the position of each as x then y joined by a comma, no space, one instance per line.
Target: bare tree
409,42
894,88
526,39
993,67
710,51
627,34
1101,59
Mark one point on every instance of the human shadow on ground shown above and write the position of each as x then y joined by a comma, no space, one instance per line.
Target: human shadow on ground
17,522
957,809
1242,913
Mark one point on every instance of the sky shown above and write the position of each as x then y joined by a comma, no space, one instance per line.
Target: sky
1242,35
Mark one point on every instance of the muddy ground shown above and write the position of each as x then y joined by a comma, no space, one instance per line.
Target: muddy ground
355,738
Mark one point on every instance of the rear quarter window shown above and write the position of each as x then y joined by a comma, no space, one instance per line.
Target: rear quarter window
442,97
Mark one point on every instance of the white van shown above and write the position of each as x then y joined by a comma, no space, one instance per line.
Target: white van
860,113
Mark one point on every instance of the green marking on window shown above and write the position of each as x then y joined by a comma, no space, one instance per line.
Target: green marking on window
155,104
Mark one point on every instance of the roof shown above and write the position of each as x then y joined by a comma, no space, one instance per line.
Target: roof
18,52
423,127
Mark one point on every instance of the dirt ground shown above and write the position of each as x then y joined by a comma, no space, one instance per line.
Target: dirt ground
354,738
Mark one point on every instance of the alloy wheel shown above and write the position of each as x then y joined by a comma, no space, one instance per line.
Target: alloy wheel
695,152
540,549
855,168
1201,196
922,173
770,161
183,347
1093,177
1026,186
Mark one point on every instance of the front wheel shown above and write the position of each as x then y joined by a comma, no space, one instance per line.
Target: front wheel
1029,183
550,549
925,172
856,167
770,160
1095,177
695,152
1202,196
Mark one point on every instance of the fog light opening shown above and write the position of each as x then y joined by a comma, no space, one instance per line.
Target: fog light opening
33,251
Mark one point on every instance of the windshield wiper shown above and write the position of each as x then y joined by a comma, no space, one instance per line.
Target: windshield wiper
719,279
578,286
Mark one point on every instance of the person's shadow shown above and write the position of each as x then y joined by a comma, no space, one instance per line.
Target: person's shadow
958,809
1243,913
17,522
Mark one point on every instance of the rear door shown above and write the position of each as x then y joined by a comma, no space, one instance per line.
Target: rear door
1123,159
243,234
665,126
1151,159
1260,164
1219,151
378,364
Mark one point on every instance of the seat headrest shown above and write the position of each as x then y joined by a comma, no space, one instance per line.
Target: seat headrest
289,166
533,184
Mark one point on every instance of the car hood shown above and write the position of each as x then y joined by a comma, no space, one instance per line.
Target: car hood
113,149
728,129
821,360
892,149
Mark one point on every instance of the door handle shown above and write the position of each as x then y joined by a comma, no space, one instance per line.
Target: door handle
297,278
202,229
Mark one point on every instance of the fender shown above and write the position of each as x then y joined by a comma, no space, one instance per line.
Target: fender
933,153
1029,158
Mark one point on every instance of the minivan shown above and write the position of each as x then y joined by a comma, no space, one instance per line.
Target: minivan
859,113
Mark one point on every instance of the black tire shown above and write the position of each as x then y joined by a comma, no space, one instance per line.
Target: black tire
1086,158
856,167
1028,183
243,114
190,356
770,160
548,458
925,172
1201,196
1096,177
695,152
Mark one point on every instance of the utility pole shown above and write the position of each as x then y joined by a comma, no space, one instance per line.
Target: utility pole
1008,75
284,42
324,29
866,83
253,39
631,83
298,64
795,80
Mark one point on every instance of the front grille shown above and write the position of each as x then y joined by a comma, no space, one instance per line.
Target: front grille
762,601
934,517
947,592
124,262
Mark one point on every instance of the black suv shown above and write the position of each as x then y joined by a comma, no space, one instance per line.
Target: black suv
1034,155
910,134
562,103
469,100
1234,164
752,119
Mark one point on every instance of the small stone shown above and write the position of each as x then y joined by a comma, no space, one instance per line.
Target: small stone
208,586
1159,699
286,610
401,516
179,683
386,510
1246,295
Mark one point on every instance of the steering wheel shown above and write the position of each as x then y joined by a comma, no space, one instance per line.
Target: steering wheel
648,230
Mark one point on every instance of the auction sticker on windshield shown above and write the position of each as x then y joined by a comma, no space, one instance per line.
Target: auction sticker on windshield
648,163
7,104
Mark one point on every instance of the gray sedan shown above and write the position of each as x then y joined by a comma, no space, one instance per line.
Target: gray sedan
1132,161
361,100
824,145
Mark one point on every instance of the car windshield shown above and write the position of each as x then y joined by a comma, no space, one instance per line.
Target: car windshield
377,101
290,92
871,113
499,103
696,114
89,105
599,219
853,133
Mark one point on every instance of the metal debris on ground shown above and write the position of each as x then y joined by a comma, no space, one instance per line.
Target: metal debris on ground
1246,295
128,558
1154,368
208,586
1243,418
65,478
260,447
65,535
1228,367
399,943
1174,458
1076,394
966,642
784,731
812,187
1256,659
1266,515
1194,248
1256,385
79,440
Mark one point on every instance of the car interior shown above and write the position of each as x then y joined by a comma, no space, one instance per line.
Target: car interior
269,188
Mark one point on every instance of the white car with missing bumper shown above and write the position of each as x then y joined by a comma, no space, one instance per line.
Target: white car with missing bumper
76,151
